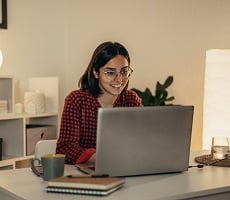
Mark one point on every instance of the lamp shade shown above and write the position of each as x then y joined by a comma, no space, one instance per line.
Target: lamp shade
216,115
1,58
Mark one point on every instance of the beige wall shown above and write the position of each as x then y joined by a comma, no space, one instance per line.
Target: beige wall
164,37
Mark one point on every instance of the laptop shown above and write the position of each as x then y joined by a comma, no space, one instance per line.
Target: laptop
142,140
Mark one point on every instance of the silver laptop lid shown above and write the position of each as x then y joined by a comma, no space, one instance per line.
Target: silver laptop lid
143,140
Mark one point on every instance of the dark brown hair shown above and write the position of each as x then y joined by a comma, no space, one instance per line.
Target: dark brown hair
102,54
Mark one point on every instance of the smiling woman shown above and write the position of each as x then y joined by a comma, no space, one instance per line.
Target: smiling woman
3,14
103,84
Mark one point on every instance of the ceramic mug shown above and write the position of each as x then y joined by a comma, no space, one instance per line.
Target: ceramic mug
52,166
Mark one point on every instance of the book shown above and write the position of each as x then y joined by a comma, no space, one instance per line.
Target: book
85,185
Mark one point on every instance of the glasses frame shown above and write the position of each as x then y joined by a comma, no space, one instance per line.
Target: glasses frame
112,77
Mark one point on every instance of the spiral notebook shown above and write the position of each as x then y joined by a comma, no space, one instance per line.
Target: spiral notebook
82,191
85,185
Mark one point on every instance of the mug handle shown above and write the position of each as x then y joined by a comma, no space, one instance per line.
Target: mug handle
37,169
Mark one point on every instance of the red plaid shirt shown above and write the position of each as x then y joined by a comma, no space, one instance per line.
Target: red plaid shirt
77,137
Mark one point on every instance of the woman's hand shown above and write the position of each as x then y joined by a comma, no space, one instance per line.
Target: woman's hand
92,159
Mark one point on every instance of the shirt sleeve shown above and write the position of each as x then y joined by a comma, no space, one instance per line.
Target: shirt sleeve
68,142
85,156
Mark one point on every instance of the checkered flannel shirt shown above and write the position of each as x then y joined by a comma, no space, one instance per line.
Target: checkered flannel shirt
77,137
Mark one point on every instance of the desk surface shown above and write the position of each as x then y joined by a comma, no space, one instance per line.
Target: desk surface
207,183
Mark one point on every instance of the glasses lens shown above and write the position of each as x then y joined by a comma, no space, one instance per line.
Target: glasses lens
110,74
125,73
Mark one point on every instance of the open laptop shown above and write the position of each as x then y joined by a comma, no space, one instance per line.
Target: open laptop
142,140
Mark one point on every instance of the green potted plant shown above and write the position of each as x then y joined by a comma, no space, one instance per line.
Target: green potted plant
161,94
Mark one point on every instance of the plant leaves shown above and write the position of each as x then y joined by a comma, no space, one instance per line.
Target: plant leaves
148,92
168,81
139,93
161,94
170,99
159,86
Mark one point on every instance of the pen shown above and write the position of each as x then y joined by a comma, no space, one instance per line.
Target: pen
88,176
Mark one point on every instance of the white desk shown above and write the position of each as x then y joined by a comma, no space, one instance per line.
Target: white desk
207,183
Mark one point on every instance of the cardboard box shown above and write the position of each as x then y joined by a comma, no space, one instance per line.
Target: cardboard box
34,133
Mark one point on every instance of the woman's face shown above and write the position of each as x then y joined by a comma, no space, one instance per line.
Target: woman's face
111,76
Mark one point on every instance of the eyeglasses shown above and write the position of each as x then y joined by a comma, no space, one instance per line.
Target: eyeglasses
124,73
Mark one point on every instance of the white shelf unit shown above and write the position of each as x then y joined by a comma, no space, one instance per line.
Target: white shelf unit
12,132
13,126
7,91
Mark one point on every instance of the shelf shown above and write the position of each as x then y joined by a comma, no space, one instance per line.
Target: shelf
11,160
17,116
14,134
13,127
7,91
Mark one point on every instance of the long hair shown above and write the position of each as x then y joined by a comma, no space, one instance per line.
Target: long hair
102,54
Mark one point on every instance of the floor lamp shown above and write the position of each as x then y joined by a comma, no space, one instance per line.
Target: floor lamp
216,115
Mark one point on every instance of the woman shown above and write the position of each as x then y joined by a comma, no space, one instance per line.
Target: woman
104,84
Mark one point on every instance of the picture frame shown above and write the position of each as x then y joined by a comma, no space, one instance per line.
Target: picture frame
3,14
